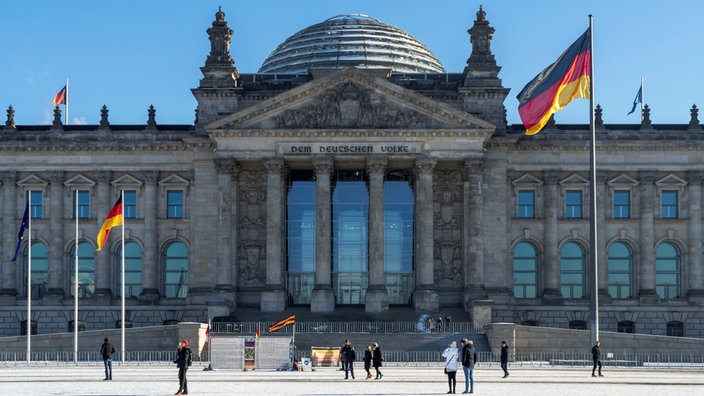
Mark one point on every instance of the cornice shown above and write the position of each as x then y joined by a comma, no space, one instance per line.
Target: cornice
356,133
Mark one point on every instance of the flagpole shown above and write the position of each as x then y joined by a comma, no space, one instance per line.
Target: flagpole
642,98
593,251
75,291
66,104
122,314
29,279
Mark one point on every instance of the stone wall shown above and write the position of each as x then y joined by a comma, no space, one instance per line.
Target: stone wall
155,338
534,339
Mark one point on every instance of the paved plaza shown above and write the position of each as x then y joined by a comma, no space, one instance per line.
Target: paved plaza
161,379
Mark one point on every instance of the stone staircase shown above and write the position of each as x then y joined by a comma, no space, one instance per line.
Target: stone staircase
391,342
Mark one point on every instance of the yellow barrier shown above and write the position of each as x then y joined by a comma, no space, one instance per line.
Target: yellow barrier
325,356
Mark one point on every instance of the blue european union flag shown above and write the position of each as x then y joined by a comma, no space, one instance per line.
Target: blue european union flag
20,233
638,99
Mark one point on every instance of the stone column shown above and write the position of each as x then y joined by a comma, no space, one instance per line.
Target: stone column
226,248
473,266
150,273
647,293
323,297
425,297
695,278
551,279
274,296
377,297
57,283
8,287
104,259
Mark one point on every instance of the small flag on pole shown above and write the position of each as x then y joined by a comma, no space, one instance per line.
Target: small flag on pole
20,234
61,97
638,99
207,334
256,333
114,219
282,323
554,88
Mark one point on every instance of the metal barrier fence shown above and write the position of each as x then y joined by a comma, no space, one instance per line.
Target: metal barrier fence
394,358
246,328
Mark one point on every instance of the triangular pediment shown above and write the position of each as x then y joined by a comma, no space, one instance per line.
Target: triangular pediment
351,99
32,181
79,181
574,180
622,181
127,181
671,181
527,180
173,180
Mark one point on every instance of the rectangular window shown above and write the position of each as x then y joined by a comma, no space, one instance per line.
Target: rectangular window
526,204
573,204
35,205
129,204
83,204
669,204
622,204
174,204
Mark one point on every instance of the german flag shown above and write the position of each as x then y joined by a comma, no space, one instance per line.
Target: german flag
555,87
114,219
282,323
61,97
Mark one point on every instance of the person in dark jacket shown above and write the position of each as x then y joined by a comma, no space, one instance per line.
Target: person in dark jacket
596,356
184,354
106,351
504,358
376,360
469,358
348,355
368,360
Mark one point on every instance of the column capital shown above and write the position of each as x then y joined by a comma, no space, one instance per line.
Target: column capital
8,177
150,177
323,165
474,165
376,164
646,177
274,164
103,176
225,165
695,176
551,176
426,163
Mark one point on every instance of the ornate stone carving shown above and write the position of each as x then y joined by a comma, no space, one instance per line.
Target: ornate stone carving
598,120
323,165
104,123
474,165
693,120
350,106
225,165
56,124
151,120
220,36
481,35
252,226
274,165
447,223
645,121
10,123
425,163
376,164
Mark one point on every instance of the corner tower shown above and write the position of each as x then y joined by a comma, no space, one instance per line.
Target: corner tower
219,90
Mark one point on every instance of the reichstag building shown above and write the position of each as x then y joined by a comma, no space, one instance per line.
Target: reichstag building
353,170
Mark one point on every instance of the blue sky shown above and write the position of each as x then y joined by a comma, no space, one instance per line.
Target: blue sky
130,54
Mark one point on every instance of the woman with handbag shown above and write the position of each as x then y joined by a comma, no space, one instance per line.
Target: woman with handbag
450,355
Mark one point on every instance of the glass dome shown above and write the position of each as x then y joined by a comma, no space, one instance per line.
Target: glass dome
351,40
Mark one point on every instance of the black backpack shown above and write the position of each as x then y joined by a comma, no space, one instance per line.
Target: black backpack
189,360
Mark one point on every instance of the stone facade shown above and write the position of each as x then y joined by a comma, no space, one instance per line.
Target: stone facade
481,192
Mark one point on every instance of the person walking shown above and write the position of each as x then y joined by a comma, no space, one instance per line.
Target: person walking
469,358
431,325
596,356
376,360
504,358
182,361
106,351
450,355
368,360
348,356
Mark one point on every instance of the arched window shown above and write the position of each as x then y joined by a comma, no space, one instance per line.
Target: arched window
675,329
525,270
620,271
86,270
176,270
572,275
133,270
40,269
578,325
667,270
626,326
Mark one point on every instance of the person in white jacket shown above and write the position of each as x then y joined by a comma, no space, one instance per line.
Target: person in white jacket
450,355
